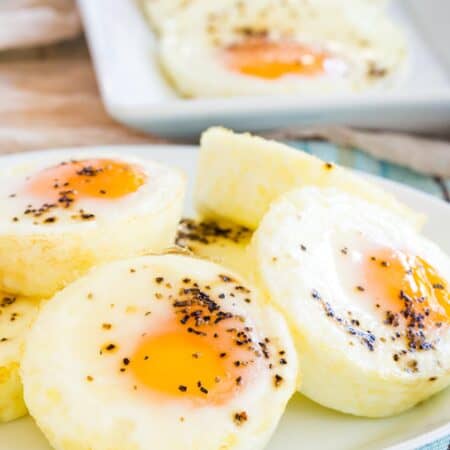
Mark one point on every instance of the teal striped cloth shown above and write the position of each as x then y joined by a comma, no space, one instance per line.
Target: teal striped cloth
359,160
441,444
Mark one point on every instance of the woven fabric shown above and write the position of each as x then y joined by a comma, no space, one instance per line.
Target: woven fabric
441,444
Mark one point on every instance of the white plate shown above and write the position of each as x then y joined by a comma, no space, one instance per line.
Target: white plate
307,425
135,92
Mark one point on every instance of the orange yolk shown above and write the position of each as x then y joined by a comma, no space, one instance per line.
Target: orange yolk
260,57
202,369
86,179
398,280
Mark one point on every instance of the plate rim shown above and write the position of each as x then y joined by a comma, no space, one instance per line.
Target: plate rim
427,438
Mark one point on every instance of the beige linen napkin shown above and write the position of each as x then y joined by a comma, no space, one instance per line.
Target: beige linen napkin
28,23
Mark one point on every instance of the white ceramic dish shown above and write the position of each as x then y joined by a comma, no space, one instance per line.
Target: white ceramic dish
307,425
136,93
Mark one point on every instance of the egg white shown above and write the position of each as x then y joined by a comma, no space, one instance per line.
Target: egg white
16,317
239,175
221,242
300,262
109,412
366,48
38,258
160,11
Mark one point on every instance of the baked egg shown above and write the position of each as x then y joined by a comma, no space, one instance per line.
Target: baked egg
63,212
366,297
16,317
159,352
239,175
271,47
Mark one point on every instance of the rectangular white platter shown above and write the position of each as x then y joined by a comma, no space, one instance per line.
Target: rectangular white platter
136,93
307,425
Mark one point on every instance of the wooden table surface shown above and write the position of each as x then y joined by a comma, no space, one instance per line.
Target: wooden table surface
49,98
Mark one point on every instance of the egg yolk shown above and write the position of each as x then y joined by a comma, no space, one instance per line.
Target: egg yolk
407,287
205,366
86,179
260,57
